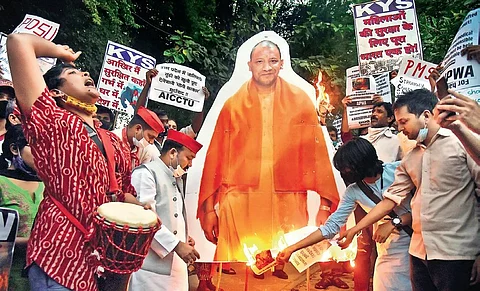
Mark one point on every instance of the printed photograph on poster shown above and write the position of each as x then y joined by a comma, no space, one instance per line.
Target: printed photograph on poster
361,89
122,78
33,25
385,31
462,75
8,233
413,74
178,86
257,122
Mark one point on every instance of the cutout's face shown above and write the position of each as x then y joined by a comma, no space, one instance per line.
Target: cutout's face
79,85
265,64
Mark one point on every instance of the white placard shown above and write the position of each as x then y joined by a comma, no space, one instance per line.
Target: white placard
33,25
122,78
413,74
463,75
385,31
178,86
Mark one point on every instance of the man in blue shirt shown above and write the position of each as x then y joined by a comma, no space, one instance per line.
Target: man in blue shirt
358,163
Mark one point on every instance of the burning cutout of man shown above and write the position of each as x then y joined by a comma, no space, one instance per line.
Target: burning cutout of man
264,149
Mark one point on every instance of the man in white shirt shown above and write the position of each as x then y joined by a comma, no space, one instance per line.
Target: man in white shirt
159,183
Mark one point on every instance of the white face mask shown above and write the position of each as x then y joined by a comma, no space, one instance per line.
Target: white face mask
143,143
179,171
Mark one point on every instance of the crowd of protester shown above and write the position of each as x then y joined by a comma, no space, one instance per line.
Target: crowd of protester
415,171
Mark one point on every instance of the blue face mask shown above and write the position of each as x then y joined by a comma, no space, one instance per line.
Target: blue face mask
20,164
422,134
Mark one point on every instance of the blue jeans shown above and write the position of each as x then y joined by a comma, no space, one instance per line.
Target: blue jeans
40,281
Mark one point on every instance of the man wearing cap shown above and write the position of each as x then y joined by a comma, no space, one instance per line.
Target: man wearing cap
159,183
139,133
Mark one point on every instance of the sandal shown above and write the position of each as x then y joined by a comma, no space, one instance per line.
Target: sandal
337,282
324,283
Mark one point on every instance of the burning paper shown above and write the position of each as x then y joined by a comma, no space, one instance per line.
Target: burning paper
324,251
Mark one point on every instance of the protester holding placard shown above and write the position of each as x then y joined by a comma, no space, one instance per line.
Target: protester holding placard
65,143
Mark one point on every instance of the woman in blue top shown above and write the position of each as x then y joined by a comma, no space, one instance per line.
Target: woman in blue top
358,162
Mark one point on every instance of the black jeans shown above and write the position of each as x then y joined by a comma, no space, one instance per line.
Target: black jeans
440,275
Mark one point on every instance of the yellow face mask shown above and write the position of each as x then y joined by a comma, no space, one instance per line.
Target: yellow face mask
88,108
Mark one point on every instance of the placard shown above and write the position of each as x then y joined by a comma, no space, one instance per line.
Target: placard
33,25
385,31
122,77
178,86
413,74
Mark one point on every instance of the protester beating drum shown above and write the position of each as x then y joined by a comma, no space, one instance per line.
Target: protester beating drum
123,233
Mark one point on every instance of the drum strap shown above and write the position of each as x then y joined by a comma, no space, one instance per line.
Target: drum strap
70,217
110,153
113,188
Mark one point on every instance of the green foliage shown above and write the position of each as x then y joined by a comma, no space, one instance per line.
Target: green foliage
206,34
439,26
119,12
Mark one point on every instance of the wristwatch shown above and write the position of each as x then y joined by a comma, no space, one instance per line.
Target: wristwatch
397,222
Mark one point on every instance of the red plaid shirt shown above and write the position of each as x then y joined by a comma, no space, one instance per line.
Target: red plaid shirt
75,173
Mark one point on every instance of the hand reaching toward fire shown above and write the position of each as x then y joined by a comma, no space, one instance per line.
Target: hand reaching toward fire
346,238
285,255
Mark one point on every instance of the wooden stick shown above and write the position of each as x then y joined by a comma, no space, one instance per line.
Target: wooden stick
219,276
246,277
308,279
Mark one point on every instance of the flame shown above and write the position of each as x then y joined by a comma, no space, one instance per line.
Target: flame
323,99
252,246
326,250
352,263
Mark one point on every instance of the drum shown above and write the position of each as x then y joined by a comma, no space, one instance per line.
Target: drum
123,234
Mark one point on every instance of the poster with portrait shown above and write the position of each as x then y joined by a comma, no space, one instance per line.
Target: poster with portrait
361,89
385,31
461,73
264,154
122,79
8,233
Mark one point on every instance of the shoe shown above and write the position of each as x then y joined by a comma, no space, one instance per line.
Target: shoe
337,282
230,271
261,276
324,283
280,274
212,287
